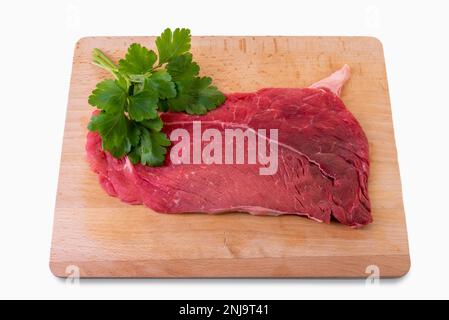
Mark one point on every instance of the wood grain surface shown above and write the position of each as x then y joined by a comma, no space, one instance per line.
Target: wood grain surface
104,237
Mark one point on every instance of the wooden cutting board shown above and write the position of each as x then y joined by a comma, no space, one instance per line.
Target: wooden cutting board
104,237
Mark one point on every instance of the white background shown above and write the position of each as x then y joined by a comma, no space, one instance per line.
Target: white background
37,42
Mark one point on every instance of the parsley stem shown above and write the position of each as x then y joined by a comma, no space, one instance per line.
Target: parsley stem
101,60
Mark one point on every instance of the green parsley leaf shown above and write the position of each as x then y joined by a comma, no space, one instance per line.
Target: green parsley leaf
155,124
163,105
182,67
137,78
152,148
161,82
108,96
113,128
134,133
171,44
129,121
197,96
138,60
208,95
143,105
134,155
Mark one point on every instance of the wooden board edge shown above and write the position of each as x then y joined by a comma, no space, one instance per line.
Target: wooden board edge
392,266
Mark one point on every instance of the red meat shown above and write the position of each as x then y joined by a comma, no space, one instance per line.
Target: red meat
322,168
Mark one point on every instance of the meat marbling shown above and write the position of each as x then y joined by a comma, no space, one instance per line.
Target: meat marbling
323,162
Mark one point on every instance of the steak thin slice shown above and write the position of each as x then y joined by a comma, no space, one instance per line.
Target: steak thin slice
323,162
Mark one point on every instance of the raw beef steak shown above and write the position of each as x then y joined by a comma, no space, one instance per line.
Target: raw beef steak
322,168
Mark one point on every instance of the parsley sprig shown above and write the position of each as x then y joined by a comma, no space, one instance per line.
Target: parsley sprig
145,84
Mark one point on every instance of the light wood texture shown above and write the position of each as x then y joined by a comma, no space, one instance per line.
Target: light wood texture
107,238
